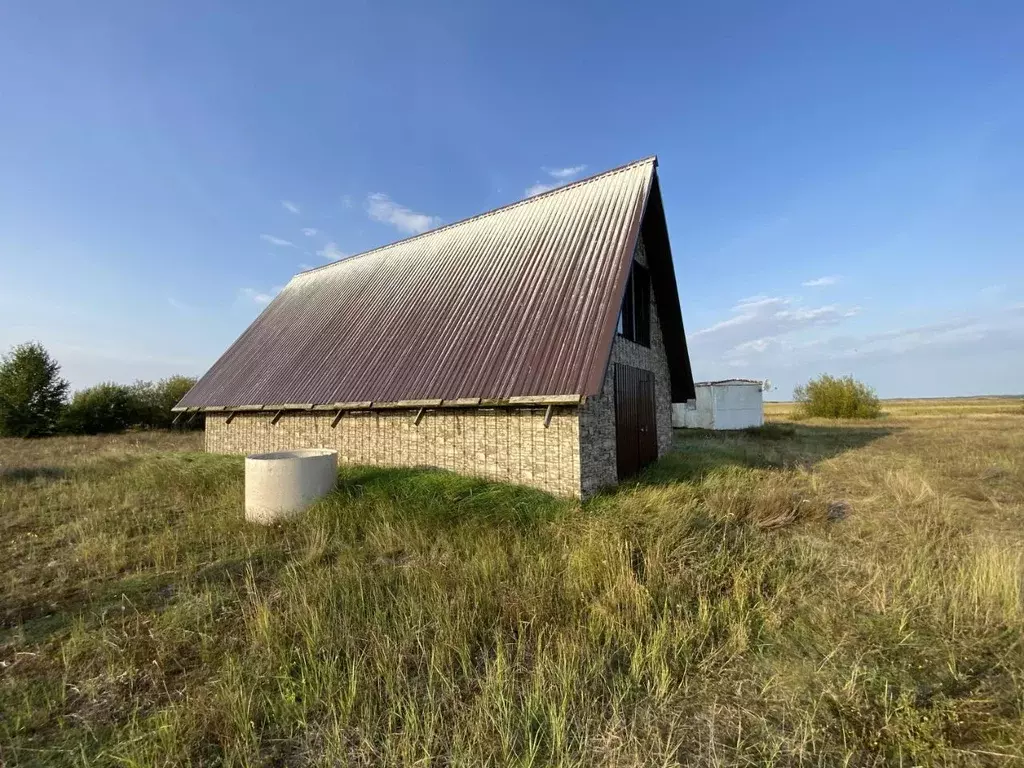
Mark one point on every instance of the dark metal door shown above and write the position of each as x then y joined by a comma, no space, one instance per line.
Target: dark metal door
636,435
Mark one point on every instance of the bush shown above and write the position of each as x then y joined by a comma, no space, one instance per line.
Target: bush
32,393
837,398
105,407
115,407
156,400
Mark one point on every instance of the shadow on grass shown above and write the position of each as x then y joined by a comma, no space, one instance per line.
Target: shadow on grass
446,497
774,446
24,475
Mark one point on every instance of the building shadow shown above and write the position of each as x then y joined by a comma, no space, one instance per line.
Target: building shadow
773,446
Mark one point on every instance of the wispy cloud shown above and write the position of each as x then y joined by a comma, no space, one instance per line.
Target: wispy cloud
181,306
756,321
569,172
346,201
309,231
538,188
561,176
290,206
821,282
784,353
259,297
277,241
332,252
382,208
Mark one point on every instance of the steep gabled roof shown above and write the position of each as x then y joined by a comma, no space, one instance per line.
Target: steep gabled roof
519,301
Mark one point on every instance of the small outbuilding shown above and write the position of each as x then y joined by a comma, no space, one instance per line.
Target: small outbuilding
540,343
726,404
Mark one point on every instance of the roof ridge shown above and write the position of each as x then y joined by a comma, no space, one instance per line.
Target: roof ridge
483,214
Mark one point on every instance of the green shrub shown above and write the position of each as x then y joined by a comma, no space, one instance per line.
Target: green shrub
32,393
833,397
105,407
156,399
113,407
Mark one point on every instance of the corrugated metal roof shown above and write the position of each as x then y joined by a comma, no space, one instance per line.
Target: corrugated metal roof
520,301
727,381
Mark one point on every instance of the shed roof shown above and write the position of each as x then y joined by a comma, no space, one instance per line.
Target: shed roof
723,382
519,301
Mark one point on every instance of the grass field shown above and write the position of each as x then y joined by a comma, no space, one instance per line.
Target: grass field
812,593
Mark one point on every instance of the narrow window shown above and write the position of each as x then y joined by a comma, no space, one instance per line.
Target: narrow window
626,319
642,305
635,315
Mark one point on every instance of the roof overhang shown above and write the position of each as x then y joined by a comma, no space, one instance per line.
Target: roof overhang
462,402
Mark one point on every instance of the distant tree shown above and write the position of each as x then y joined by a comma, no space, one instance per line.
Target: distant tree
155,400
106,407
32,393
169,394
833,397
113,407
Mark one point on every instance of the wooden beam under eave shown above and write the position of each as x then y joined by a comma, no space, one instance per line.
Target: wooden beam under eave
545,400
547,416
277,417
337,418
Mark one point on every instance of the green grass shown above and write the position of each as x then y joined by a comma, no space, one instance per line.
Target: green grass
709,613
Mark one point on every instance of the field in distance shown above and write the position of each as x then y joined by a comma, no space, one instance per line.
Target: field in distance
811,592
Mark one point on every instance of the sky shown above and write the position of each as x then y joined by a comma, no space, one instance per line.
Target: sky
842,181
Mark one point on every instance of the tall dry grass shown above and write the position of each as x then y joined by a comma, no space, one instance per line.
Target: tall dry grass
713,613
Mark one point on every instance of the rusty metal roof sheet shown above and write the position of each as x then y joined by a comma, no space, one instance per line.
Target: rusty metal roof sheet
520,301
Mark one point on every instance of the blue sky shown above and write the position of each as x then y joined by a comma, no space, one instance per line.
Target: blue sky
842,181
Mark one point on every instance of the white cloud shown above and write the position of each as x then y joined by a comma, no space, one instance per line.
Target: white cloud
332,252
382,208
259,297
180,306
757,321
983,337
569,172
776,338
821,282
561,176
277,241
538,189
309,231
290,206
346,201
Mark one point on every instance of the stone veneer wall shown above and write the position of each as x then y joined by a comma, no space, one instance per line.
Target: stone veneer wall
598,467
504,444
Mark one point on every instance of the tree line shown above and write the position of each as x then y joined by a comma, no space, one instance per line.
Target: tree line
35,402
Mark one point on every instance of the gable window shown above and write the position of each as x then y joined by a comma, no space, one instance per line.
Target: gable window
635,315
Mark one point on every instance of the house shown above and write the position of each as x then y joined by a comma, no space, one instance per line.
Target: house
725,404
540,343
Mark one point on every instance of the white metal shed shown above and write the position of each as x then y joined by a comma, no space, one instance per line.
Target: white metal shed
726,404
